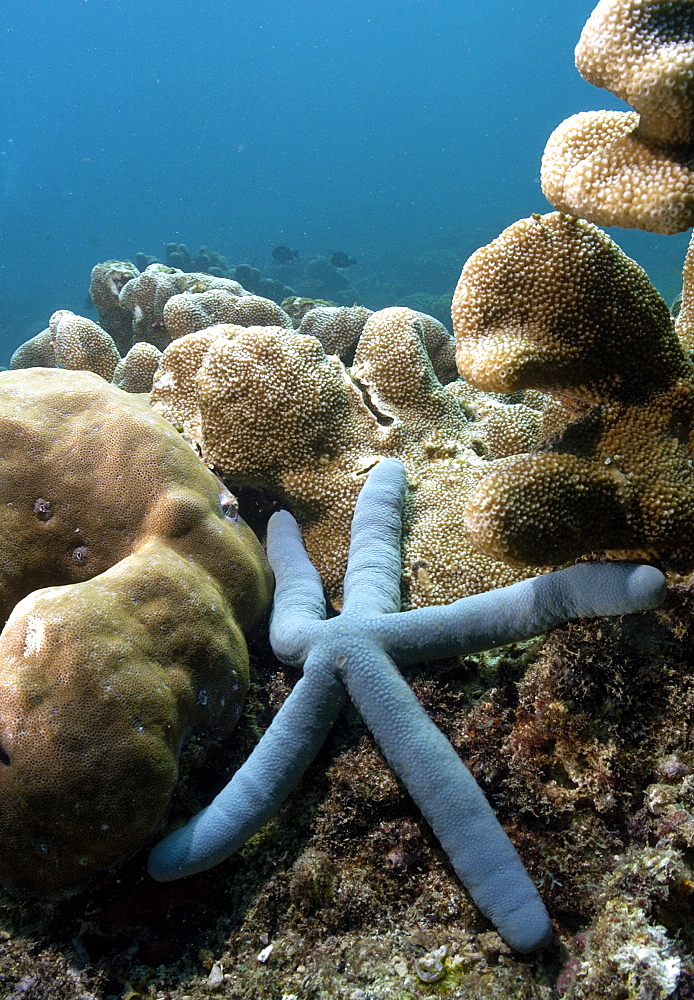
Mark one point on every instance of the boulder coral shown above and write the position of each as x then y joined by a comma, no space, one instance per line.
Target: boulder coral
630,168
267,407
126,585
554,305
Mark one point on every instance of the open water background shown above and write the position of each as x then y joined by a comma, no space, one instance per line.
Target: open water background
405,133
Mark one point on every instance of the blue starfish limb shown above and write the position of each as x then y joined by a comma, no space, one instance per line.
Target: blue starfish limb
357,649
521,610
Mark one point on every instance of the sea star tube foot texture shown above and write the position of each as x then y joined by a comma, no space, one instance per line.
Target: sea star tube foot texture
357,649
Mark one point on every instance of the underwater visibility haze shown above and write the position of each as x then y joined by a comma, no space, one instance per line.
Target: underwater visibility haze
403,134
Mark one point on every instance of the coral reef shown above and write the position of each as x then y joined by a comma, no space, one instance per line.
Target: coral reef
355,650
191,311
77,343
145,296
106,284
630,168
269,408
82,345
37,352
135,372
346,893
553,304
126,584
339,328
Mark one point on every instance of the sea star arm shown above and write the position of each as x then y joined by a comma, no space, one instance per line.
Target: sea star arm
510,614
299,600
448,796
374,567
262,783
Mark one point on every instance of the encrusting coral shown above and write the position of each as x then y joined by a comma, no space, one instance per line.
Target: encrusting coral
631,168
126,585
269,408
355,650
553,304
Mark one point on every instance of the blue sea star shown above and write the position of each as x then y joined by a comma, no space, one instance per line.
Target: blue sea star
357,650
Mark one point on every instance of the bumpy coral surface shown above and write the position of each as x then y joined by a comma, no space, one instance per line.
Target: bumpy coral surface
553,304
82,345
135,372
145,296
36,352
339,328
125,587
269,408
106,284
631,169
190,311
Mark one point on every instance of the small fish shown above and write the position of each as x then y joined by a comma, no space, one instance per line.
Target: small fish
341,260
285,255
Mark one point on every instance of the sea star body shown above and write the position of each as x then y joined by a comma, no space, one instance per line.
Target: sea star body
357,650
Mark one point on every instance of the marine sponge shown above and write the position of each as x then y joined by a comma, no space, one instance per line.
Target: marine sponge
631,168
147,582
553,304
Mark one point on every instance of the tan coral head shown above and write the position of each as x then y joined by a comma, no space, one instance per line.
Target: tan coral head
125,588
633,169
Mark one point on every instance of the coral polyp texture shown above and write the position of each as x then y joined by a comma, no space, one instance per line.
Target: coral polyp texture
146,295
269,408
126,585
631,168
553,304
80,344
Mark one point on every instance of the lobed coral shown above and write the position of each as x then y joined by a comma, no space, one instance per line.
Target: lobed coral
146,295
125,586
553,304
269,408
195,310
631,168
107,281
77,343
82,345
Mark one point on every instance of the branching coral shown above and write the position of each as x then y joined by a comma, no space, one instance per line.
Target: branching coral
125,584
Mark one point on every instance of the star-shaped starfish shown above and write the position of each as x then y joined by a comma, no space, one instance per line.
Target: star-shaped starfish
357,650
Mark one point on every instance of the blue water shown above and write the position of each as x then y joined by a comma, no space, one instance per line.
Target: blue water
404,132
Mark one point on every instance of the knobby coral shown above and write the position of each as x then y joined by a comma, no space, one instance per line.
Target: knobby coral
126,584
357,649
80,344
553,304
269,408
631,168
